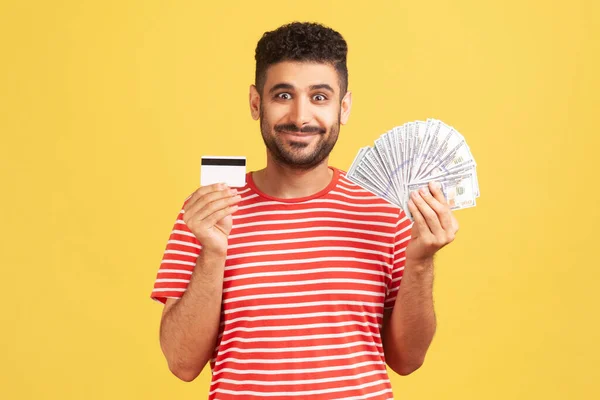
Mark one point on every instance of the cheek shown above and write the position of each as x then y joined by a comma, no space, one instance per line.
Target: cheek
274,113
327,117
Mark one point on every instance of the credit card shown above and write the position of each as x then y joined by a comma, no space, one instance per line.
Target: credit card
223,169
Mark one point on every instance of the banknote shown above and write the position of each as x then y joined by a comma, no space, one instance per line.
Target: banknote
409,156
458,190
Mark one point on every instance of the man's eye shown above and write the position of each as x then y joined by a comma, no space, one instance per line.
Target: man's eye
319,97
284,96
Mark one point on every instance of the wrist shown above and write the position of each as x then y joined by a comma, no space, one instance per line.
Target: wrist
212,254
424,265
211,264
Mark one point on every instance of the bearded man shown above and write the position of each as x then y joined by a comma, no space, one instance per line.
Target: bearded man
300,284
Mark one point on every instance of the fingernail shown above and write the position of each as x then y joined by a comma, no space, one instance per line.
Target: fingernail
232,191
423,191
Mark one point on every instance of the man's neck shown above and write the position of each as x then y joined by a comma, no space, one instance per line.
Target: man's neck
286,183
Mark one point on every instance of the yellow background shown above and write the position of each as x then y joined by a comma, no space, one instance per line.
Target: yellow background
107,106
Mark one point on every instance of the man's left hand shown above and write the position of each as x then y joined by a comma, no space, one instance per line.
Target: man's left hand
434,225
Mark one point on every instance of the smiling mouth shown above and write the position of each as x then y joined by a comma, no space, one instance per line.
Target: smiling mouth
299,134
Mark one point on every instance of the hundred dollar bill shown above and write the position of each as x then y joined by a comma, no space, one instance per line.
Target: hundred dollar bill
372,158
423,129
417,186
358,178
458,190
384,154
456,162
420,128
371,170
357,159
434,132
447,148
457,171
390,146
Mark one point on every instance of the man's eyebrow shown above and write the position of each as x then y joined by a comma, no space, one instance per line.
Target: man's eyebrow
322,86
288,86
281,86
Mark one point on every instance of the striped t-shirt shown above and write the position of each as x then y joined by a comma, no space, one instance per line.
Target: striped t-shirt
305,284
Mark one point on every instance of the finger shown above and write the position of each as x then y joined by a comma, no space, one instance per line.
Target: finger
436,191
429,215
201,191
214,206
215,217
442,210
208,198
419,222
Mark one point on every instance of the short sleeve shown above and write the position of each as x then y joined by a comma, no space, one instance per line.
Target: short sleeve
401,240
178,262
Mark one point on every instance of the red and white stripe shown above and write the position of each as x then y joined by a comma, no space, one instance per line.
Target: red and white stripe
305,285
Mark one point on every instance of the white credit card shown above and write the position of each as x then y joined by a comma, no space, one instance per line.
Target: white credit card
223,169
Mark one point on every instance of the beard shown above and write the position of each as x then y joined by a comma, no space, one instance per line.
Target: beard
295,155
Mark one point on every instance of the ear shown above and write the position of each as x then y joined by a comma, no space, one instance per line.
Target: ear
345,107
254,102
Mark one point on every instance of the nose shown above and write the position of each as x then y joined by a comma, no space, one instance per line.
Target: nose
300,112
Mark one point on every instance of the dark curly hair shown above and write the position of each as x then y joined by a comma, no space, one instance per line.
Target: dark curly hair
302,41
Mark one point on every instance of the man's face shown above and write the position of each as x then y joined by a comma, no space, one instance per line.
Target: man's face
300,112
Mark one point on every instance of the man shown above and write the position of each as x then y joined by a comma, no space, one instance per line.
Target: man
290,286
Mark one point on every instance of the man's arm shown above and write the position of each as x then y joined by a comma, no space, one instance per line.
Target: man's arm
409,327
189,326
408,330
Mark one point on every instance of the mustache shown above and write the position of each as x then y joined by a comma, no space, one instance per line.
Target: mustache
294,128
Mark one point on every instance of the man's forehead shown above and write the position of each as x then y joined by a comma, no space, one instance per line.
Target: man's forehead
301,75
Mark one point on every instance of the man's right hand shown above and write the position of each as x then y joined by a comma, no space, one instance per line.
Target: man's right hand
208,215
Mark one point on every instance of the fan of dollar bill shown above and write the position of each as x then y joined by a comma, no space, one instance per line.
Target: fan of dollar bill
410,156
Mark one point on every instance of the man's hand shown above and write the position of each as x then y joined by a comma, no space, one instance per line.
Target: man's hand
434,225
208,215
